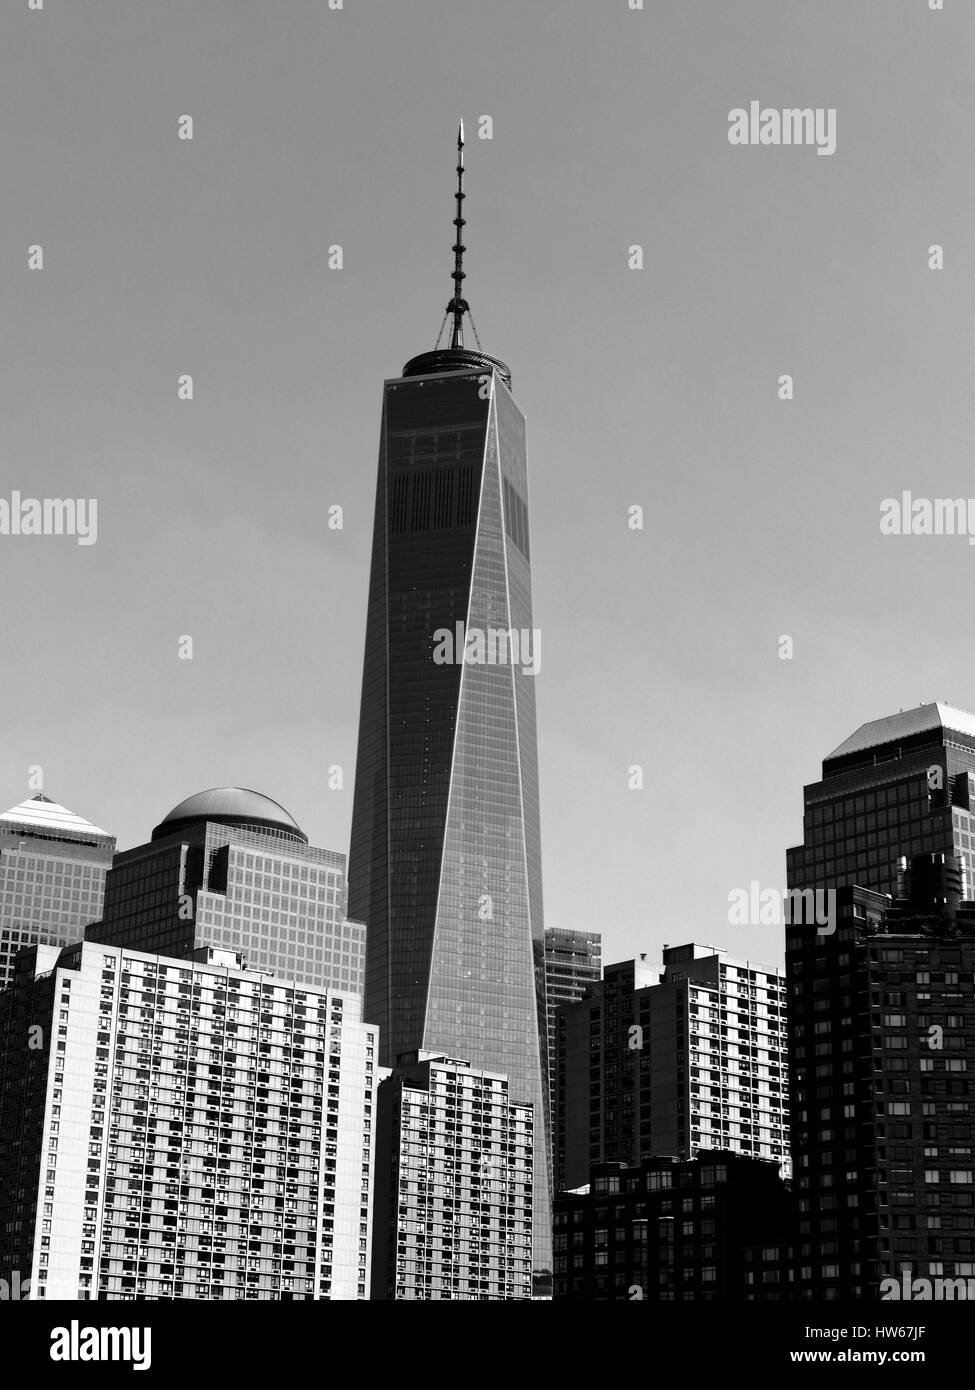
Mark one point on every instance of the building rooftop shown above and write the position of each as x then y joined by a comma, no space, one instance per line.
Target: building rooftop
895,727
41,814
230,806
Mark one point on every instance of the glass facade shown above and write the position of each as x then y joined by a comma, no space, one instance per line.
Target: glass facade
52,877
904,792
277,900
880,1117
445,865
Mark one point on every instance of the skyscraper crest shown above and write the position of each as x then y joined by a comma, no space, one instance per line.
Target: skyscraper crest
455,357
458,305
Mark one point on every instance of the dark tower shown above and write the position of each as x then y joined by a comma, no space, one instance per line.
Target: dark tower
445,861
881,1018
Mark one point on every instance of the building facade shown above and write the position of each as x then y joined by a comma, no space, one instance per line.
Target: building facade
717,1227
445,859
882,1032
230,868
52,877
573,966
718,1074
601,1078
455,1159
175,1129
673,1059
897,787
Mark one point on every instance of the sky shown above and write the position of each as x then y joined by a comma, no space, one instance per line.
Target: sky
656,388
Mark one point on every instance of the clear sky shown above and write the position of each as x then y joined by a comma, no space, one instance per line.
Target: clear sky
654,387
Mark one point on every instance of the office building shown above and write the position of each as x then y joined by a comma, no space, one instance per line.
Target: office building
230,868
174,1129
897,787
882,1032
454,1163
52,877
445,860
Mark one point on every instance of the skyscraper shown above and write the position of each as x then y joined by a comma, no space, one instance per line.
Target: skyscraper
445,864
897,787
881,1011
52,877
231,868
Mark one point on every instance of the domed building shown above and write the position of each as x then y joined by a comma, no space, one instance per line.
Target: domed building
231,806
229,868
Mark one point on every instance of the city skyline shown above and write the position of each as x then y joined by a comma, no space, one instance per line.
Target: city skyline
660,384
661,607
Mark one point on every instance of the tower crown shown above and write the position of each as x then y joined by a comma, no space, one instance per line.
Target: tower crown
457,358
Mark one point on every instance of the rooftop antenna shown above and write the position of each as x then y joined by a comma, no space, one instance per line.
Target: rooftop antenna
458,305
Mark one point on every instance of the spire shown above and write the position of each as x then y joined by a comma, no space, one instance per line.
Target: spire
458,305
455,357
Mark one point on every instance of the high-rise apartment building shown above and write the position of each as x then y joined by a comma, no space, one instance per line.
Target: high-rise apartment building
445,862
454,1163
230,868
177,1129
882,1028
667,1061
52,877
573,962
599,1074
718,1075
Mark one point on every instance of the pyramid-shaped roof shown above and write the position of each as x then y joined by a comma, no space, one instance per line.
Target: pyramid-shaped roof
41,813
894,727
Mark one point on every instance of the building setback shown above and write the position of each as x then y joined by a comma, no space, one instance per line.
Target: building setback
882,1029
176,1129
445,858
674,1059
716,1227
52,877
230,868
454,1159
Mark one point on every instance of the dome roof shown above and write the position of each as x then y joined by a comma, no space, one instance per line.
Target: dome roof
230,806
